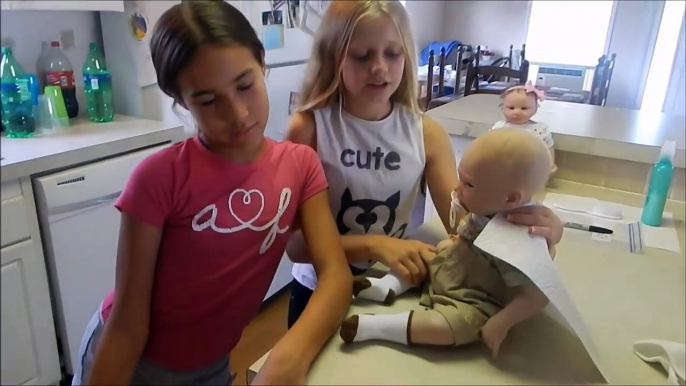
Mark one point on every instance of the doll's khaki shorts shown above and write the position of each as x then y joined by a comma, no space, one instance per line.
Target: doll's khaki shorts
466,287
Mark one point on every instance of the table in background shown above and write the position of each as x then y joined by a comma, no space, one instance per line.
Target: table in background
624,134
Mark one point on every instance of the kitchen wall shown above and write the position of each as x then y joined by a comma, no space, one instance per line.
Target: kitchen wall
426,18
24,31
633,36
675,100
498,24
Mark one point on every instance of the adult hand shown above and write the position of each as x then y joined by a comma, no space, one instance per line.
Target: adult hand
541,222
406,258
280,368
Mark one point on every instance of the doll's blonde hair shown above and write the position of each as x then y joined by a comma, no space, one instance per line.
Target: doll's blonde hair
323,84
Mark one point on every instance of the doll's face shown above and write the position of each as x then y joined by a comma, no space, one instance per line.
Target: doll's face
484,188
518,107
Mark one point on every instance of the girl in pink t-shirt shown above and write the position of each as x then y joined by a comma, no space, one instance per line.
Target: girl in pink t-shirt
205,223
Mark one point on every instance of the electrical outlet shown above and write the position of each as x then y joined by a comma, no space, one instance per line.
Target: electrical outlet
67,39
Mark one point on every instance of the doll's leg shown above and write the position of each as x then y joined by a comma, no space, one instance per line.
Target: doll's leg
383,290
421,327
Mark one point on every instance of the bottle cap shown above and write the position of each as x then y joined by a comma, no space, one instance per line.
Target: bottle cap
54,44
668,150
6,50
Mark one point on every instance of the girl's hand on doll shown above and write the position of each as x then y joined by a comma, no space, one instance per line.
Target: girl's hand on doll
541,222
443,245
493,334
406,258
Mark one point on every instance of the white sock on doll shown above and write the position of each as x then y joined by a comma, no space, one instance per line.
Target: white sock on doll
382,290
391,328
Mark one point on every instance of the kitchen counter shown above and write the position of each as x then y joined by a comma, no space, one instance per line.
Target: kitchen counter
623,298
83,141
578,128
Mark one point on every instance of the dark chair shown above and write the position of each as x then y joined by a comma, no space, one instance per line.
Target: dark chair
522,56
474,71
464,53
602,75
606,80
430,76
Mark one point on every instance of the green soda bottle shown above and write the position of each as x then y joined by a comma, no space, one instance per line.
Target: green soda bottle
98,86
15,97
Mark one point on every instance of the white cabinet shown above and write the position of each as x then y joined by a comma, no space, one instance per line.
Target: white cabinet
64,5
29,345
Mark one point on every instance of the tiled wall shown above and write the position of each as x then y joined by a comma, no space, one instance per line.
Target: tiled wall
612,173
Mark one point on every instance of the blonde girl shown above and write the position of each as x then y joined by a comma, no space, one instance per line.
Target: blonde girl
379,151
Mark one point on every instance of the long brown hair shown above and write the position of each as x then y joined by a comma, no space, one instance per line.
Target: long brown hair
323,83
183,28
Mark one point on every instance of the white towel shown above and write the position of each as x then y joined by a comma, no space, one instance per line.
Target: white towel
671,355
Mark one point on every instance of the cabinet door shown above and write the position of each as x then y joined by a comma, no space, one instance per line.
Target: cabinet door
29,346
69,5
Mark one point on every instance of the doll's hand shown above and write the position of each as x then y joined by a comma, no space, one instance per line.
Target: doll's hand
493,334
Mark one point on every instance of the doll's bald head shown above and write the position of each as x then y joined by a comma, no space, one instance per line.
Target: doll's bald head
502,170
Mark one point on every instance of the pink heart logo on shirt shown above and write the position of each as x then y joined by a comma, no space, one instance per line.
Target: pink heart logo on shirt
248,201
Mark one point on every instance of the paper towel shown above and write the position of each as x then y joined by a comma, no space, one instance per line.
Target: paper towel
513,244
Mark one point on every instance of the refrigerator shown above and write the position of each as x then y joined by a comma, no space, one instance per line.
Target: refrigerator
126,38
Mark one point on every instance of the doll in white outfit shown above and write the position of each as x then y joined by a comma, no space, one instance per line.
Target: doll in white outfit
469,294
519,104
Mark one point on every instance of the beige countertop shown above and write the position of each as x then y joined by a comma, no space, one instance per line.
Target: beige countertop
580,128
623,298
83,141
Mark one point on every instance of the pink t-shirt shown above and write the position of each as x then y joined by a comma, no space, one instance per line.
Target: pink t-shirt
225,229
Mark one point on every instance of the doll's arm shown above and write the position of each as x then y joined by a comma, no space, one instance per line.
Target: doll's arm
553,167
526,302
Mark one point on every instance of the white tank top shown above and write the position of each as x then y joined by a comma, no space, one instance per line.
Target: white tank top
375,172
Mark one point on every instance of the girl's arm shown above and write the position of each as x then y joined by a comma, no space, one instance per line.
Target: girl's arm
441,169
290,359
126,330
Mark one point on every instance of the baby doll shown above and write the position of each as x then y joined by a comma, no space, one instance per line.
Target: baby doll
470,294
519,104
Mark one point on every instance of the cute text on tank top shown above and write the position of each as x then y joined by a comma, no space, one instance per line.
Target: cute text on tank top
375,173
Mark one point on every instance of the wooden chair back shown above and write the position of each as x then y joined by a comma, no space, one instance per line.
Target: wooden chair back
602,76
474,71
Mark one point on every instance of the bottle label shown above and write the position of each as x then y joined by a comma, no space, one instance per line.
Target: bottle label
64,79
16,92
96,81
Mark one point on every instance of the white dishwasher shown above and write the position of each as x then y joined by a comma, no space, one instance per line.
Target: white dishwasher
80,230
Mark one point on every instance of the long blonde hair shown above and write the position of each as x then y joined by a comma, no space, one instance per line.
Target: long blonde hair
323,84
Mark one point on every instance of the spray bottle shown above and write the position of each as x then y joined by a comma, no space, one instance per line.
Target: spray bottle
658,187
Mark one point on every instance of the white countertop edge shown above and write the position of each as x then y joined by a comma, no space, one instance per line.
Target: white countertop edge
574,144
90,153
